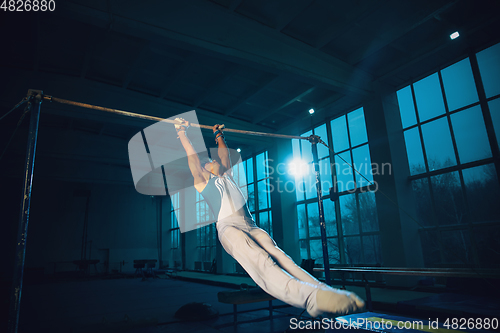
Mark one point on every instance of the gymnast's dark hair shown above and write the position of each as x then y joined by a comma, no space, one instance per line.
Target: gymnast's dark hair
204,158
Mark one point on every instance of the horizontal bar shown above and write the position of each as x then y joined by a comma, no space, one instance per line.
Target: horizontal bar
143,116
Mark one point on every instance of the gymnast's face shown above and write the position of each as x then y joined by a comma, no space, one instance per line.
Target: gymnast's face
213,167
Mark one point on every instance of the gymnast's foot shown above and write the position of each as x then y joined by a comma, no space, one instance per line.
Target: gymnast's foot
338,302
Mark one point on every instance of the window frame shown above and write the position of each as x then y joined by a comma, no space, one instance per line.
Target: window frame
340,237
255,184
206,247
470,225
174,231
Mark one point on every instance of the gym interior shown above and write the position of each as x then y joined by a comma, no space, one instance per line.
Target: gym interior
404,97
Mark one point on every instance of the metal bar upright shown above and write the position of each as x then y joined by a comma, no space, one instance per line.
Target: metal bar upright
314,146
35,100
368,293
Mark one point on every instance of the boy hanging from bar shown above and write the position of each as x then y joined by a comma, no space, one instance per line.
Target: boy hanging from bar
271,269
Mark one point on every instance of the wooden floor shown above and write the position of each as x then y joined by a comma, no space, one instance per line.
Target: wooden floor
137,306
132,305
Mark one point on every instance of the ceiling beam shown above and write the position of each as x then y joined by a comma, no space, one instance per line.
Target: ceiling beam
298,97
136,64
36,53
157,48
297,126
93,45
181,71
431,48
86,62
215,85
102,129
252,92
337,29
426,11
290,12
210,29
328,101
234,4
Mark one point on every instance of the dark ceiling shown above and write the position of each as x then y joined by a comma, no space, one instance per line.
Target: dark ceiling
251,64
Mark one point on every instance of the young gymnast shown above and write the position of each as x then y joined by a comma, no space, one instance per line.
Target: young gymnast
270,268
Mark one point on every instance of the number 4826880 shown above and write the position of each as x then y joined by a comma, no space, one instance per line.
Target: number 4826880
28,5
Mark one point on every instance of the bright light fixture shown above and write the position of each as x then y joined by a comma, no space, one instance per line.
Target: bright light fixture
238,150
297,167
311,111
454,35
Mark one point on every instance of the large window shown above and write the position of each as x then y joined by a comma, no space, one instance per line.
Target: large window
206,235
252,175
174,225
351,222
451,127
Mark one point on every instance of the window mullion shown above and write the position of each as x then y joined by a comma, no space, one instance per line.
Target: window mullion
350,151
359,226
488,121
454,142
340,239
419,129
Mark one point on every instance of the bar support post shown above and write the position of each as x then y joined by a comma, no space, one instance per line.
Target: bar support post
34,102
314,140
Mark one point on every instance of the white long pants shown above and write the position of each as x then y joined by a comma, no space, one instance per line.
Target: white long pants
258,254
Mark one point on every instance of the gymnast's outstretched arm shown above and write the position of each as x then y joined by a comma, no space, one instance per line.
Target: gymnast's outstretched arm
193,159
223,151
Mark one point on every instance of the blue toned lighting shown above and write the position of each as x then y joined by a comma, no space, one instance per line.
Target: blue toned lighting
238,150
454,35
298,167
311,111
